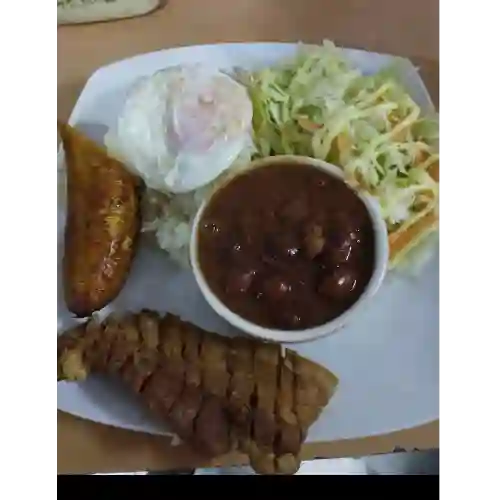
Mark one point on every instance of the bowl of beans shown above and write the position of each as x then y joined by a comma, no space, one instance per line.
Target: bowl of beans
287,251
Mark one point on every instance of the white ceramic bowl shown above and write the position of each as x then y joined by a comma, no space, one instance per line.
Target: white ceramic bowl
275,335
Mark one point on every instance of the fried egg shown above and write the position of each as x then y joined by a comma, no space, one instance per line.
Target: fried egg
182,127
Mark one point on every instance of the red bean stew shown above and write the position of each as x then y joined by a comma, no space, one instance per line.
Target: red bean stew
286,246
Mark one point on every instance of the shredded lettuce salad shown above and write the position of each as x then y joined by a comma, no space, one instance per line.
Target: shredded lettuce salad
319,105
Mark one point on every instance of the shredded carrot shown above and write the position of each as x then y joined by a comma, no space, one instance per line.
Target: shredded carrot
400,240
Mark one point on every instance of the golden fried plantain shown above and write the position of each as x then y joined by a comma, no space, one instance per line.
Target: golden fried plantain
102,224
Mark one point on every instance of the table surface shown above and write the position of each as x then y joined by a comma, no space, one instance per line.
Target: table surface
399,27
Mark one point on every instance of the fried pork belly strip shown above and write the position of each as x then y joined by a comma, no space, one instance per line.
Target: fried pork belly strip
216,393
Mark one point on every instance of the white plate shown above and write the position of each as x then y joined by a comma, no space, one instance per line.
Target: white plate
387,360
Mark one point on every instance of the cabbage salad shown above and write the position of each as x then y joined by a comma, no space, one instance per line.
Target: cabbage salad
319,105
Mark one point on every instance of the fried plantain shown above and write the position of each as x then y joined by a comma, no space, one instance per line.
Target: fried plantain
102,224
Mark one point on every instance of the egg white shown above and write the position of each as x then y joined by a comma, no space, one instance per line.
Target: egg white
180,128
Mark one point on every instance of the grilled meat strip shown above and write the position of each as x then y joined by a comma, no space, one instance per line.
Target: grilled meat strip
216,393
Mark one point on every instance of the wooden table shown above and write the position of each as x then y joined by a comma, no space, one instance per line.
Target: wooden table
400,27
